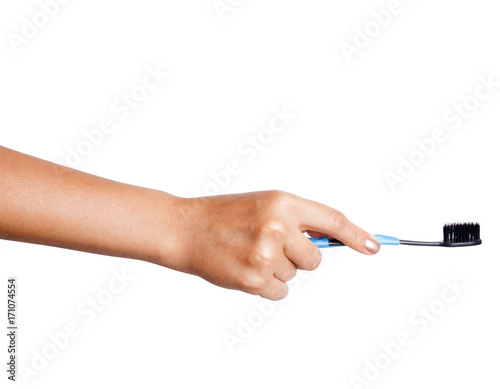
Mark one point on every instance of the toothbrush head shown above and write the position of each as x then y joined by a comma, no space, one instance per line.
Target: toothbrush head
461,234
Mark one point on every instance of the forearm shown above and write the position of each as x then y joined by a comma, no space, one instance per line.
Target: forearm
49,204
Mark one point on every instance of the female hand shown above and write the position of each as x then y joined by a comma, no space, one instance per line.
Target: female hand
254,242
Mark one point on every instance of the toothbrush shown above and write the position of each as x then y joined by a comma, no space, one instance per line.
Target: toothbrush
455,235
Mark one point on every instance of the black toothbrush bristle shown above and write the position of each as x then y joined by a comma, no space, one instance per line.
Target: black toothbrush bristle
461,234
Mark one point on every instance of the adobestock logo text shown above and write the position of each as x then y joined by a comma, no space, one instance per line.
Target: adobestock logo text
121,107
247,151
453,118
418,322
364,36
32,25
86,312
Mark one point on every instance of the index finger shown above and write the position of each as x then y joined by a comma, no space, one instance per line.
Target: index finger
318,217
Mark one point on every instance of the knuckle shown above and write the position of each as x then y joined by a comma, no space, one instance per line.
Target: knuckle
262,261
278,293
274,199
275,195
355,237
261,257
253,282
339,221
292,274
271,227
311,264
313,261
289,275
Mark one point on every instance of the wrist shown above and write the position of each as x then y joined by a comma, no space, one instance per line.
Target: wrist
171,231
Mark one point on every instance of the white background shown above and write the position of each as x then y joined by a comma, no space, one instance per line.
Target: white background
353,121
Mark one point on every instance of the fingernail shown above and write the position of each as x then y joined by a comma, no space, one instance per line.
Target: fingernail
372,245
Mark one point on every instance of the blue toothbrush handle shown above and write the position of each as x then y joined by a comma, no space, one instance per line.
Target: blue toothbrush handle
320,242
382,239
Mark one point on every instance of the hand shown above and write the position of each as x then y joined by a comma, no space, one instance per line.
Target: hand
254,242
